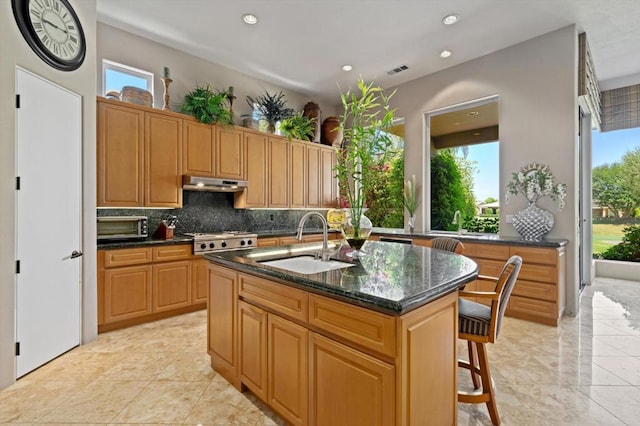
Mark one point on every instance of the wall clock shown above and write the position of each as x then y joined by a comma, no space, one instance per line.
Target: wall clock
52,29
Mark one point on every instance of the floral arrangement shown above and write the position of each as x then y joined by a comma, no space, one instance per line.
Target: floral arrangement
410,195
536,181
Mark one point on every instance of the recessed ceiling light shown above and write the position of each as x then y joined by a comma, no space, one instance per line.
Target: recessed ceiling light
445,53
450,19
476,134
347,68
473,113
250,18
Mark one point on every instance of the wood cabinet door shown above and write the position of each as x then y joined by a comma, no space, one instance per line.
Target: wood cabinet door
329,182
314,177
120,156
127,293
268,242
297,175
222,323
171,285
256,153
288,369
252,324
163,165
278,172
198,144
348,386
229,154
199,280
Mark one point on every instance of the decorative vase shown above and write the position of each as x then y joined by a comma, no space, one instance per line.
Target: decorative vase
356,234
312,110
533,223
330,132
412,224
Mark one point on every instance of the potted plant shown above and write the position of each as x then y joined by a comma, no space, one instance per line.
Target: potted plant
366,116
271,108
207,105
298,126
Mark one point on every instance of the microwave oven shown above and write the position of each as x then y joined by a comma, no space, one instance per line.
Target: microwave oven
122,227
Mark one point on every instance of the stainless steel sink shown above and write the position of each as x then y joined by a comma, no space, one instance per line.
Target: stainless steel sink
305,264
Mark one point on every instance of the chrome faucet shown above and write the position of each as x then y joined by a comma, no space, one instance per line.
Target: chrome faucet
457,220
325,232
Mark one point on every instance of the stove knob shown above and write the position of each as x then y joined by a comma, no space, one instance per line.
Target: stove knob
250,242
203,246
224,244
242,242
212,245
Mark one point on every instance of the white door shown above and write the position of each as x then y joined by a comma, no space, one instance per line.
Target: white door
48,217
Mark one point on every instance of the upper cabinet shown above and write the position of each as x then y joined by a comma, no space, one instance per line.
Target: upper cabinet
198,154
139,155
229,156
120,152
143,153
163,159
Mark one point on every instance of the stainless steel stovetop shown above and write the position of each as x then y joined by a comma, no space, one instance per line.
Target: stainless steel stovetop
220,241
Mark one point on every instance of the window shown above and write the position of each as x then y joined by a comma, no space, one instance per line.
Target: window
464,167
115,76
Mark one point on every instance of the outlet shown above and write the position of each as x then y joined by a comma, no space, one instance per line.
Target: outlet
271,218
509,218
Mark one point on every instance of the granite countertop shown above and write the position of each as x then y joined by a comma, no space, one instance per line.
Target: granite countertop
472,237
390,278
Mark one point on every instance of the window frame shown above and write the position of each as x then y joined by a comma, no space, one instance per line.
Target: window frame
126,69
426,190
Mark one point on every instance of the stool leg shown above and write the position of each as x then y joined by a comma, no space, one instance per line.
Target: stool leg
473,364
487,383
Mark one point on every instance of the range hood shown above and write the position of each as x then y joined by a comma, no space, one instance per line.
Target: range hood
195,183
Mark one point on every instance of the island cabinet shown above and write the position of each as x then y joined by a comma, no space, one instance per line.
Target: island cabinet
139,156
539,293
320,361
142,284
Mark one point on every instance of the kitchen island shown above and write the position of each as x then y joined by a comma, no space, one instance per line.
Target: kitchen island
373,342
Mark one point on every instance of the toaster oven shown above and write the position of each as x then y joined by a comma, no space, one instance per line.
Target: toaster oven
122,227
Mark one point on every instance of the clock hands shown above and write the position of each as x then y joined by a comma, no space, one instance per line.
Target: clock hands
54,25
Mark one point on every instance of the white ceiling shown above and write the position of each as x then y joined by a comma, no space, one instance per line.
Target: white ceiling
302,44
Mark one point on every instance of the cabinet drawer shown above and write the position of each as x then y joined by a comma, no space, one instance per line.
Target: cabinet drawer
172,252
535,290
491,268
535,255
547,274
526,306
125,257
280,298
486,251
369,329
267,242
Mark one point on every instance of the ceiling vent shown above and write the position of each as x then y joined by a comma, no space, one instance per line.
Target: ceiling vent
397,70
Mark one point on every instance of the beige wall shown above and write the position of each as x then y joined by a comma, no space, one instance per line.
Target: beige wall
187,71
15,52
537,86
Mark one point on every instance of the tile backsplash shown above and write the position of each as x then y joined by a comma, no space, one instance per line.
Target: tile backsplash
214,212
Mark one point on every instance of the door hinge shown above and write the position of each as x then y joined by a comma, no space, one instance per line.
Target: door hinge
17,266
17,183
17,348
17,101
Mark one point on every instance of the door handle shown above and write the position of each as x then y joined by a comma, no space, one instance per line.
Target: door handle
75,254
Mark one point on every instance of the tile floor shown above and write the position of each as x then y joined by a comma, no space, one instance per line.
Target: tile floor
585,372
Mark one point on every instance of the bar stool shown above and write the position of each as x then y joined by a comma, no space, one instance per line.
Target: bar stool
480,324
447,244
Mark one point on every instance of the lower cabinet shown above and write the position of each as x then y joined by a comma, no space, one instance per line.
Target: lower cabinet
137,285
127,293
320,361
369,398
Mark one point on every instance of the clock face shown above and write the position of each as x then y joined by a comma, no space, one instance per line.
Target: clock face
52,29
